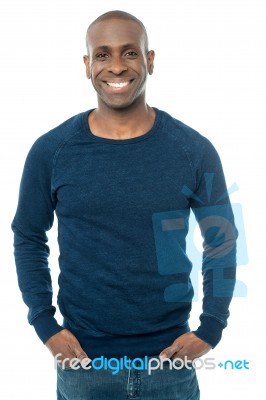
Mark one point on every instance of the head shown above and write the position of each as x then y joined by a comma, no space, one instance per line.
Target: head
118,60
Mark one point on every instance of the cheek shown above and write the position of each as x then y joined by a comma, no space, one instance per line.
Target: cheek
143,73
95,70
142,67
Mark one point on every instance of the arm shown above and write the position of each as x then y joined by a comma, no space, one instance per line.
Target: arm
34,217
211,206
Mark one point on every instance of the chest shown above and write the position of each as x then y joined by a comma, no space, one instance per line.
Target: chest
98,180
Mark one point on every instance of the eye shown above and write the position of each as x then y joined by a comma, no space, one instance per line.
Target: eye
131,54
101,56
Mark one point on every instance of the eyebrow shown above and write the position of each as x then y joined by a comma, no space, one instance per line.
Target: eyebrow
123,47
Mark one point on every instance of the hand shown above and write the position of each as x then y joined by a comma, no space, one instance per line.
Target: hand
188,345
64,346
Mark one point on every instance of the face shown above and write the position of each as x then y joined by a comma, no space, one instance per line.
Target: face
118,63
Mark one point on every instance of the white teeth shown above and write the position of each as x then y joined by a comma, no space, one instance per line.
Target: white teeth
117,84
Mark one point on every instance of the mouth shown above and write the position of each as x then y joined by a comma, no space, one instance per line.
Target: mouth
118,84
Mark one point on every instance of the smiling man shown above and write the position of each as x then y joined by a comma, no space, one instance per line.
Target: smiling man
122,179
118,63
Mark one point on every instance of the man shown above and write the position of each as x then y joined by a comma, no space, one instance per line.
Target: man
122,179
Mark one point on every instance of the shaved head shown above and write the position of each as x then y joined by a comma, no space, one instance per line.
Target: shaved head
116,14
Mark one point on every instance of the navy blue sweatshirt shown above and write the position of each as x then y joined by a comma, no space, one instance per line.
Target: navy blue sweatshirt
123,208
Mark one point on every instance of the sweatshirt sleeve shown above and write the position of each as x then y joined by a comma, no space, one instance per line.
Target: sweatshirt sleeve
33,218
211,206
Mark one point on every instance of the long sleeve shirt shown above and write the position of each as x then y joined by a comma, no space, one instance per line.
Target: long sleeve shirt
123,211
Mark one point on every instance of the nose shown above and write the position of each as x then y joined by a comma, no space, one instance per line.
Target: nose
117,65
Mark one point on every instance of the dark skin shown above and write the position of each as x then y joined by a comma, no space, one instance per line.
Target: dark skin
117,55
118,65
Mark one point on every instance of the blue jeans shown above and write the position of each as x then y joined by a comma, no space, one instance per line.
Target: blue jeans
135,384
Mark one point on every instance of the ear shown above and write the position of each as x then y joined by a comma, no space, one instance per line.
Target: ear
86,61
150,61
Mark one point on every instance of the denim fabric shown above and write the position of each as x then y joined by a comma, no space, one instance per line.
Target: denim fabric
165,384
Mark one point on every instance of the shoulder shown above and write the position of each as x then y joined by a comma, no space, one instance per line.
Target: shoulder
197,147
48,144
65,131
186,137
183,133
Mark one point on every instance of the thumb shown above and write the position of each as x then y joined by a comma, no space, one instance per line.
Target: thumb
81,355
167,352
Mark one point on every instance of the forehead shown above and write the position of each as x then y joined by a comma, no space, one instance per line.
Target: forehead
114,33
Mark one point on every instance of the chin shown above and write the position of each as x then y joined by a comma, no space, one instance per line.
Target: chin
121,102
123,105
120,106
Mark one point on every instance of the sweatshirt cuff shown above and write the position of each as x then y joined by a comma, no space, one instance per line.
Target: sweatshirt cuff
46,326
210,330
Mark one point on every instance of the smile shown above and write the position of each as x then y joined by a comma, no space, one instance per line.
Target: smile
118,84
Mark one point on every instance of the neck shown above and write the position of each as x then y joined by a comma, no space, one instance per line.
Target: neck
121,124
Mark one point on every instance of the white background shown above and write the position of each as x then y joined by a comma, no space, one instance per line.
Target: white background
209,73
